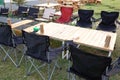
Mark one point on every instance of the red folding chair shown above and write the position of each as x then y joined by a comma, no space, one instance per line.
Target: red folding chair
66,13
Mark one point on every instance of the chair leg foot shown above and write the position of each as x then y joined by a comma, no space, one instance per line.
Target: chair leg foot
28,74
60,68
17,66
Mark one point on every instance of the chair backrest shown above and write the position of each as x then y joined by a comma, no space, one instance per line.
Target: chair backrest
4,10
33,12
6,35
37,45
108,21
85,15
66,13
88,66
108,18
22,9
48,12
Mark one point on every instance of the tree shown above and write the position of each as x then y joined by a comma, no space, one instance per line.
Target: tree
19,2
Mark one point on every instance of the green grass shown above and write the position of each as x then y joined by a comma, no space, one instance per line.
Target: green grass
9,72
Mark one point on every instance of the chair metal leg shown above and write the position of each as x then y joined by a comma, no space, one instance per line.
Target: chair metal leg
33,65
7,55
51,74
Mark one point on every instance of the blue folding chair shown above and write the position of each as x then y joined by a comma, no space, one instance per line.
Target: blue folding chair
108,20
38,49
85,18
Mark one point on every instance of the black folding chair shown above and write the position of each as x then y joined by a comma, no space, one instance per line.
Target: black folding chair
86,65
33,13
38,48
4,12
85,18
7,38
22,11
108,21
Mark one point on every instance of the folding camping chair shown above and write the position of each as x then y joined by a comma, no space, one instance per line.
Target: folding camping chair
4,11
47,15
66,13
38,48
33,13
21,12
7,38
85,18
87,65
108,21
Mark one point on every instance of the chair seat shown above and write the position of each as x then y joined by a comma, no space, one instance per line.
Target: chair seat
84,24
111,28
53,53
72,70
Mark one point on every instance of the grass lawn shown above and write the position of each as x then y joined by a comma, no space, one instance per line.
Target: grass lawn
9,72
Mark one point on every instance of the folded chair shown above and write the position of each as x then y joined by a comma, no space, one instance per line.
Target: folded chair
108,20
66,14
47,15
87,65
38,49
4,12
33,13
85,18
7,38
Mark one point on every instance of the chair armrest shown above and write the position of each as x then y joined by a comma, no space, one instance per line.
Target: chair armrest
5,13
95,20
74,18
57,50
118,22
35,14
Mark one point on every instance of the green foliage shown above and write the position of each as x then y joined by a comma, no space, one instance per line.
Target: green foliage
9,72
19,2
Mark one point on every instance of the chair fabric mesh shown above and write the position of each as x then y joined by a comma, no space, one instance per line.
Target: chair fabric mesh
6,35
87,65
37,45
22,9
66,13
108,21
4,10
33,12
85,18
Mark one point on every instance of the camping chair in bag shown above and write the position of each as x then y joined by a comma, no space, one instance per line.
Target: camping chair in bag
108,21
7,38
4,11
47,15
85,18
86,65
33,13
38,48
66,13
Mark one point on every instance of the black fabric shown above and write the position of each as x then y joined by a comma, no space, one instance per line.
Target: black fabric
87,65
33,12
4,11
22,9
18,40
108,21
85,18
37,45
114,68
8,38
6,35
